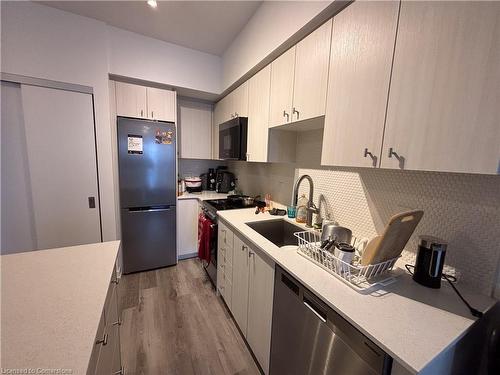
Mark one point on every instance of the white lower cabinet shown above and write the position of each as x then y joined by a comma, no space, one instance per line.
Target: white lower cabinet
245,279
260,306
106,358
240,284
187,228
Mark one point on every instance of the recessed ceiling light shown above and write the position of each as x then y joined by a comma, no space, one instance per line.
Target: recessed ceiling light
152,3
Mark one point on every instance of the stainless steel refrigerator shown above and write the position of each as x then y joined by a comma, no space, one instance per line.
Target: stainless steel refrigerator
147,169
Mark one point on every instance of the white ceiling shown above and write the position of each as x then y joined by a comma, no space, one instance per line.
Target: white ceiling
208,26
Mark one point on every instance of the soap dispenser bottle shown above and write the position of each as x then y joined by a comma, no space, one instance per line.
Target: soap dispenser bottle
301,215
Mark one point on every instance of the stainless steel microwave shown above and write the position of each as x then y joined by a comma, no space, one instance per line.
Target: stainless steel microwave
233,139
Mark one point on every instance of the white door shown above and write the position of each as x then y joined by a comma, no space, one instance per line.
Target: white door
161,104
282,71
57,143
195,129
239,300
260,307
358,85
311,74
443,112
130,100
258,115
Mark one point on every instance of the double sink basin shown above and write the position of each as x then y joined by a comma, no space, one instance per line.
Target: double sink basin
279,232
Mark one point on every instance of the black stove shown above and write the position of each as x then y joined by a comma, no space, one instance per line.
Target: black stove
225,204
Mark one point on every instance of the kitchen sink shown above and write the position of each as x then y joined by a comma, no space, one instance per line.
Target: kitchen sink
279,232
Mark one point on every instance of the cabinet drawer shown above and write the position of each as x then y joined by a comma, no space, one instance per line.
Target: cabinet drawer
228,271
96,348
225,238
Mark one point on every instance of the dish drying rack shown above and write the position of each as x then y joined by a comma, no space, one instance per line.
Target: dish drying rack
361,278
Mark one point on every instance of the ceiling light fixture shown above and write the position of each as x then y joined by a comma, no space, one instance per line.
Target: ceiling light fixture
152,3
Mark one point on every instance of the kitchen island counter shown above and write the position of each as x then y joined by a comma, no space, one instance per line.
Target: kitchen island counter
52,302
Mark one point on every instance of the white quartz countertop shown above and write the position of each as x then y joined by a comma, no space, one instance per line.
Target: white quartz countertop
52,302
412,323
203,196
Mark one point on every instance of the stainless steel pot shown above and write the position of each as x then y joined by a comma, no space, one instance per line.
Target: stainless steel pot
337,233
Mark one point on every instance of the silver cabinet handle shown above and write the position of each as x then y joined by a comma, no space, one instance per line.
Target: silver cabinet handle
401,159
243,248
286,115
121,371
374,158
142,113
103,341
152,114
115,281
250,253
391,153
117,323
294,110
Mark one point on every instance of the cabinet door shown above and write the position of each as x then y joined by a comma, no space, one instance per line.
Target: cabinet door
358,85
195,129
311,74
130,100
258,115
239,301
187,228
443,106
239,100
280,105
217,119
161,104
260,307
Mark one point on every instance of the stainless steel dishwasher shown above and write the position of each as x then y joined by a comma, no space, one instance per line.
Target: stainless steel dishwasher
308,337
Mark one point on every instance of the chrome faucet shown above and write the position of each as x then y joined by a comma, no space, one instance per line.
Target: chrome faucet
311,207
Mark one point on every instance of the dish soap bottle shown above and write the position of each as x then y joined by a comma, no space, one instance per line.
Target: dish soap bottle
301,214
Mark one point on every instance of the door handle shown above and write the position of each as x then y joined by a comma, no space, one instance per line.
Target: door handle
91,202
294,110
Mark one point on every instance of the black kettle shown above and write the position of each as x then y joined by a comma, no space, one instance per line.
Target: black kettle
430,261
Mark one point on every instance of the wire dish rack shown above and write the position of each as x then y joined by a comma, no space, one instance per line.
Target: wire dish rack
363,279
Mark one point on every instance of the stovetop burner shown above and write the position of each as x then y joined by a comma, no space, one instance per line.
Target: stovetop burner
225,204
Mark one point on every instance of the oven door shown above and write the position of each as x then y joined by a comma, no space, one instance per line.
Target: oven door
233,139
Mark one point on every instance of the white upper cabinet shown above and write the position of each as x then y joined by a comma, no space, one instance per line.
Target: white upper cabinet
130,100
239,101
258,115
195,129
145,102
358,85
311,74
161,104
281,94
443,110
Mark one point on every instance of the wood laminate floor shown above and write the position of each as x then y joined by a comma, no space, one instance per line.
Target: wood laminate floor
173,323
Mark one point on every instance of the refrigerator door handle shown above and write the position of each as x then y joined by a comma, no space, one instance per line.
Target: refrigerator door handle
152,209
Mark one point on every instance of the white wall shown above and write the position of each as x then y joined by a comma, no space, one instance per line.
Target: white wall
47,43
271,25
141,57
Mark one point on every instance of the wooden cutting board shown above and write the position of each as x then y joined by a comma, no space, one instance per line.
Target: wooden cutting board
395,237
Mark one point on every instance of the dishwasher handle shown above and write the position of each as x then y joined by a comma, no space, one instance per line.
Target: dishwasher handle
311,305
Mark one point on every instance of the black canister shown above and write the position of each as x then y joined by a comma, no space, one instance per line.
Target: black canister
430,261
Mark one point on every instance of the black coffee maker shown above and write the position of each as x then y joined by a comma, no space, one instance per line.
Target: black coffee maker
430,261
